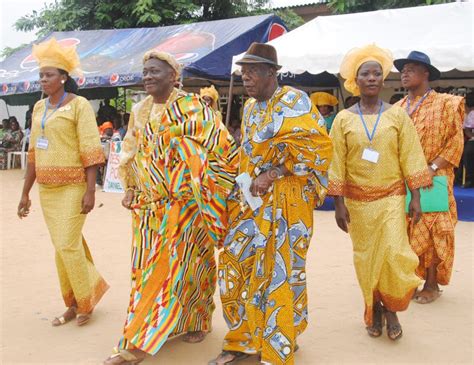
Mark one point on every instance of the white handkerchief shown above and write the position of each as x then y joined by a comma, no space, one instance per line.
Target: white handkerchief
245,181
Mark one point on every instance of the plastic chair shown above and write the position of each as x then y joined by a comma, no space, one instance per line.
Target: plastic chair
23,153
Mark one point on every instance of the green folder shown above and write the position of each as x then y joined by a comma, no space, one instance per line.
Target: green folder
434,199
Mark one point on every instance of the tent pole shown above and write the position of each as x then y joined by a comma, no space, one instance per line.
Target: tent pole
8,111
229,100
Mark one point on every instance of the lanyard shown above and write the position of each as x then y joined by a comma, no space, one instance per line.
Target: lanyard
418,104
43,121
370,136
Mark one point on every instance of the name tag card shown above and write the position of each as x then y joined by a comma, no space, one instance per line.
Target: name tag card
370,155
42,143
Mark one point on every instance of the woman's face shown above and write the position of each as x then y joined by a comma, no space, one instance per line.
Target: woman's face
207,99
325,110
15,126
50,80
370,78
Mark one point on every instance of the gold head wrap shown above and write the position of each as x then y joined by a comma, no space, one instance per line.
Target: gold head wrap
165,57
212,93
358,56
322,98
51,54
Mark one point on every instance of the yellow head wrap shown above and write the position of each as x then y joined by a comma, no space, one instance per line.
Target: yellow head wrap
322,98
358,56
166,57
51,54
212,93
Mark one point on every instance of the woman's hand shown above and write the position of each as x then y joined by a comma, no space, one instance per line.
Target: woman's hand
127,199
88,201
342,214
24,206
414,209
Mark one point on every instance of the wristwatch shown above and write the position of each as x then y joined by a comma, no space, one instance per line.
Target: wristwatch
434,167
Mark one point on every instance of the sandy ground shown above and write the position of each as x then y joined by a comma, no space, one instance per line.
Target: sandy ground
440,333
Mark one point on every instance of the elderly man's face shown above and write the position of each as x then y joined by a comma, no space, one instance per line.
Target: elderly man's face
257,78
413,75
158,77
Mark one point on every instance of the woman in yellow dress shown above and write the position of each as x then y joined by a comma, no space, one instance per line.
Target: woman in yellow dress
211,96
63,156
377,152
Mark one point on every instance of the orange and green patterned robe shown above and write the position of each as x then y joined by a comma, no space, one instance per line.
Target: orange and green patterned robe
179,162
262,274
438,121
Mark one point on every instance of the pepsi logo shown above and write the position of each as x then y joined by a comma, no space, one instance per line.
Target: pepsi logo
276,30
5,88
114,78
81,81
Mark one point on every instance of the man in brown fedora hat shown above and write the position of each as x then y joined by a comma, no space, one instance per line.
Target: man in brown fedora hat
283,162
438,121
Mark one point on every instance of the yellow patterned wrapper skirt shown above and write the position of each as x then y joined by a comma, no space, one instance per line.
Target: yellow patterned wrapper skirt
81,284
384,261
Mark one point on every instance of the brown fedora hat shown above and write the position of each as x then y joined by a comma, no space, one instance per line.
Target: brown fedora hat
260,53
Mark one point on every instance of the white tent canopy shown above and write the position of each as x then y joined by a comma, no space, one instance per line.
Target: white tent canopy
444,32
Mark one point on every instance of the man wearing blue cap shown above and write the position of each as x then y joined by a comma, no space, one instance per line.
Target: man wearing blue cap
438,121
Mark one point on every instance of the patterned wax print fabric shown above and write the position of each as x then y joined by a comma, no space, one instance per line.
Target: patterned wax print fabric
261,273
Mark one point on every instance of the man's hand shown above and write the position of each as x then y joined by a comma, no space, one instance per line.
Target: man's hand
261,184
127,199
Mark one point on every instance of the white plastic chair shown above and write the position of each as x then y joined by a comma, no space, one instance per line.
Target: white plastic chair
23,153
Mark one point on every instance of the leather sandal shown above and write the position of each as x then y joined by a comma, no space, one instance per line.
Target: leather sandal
377,322
194,336
123,357
237,356
65,318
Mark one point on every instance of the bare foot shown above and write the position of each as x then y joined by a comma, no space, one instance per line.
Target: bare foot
194,336
67,316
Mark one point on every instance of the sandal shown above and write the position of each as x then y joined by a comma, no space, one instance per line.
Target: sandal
68,316
377,322
123,357
423,299
394,331
236,357
82,319
194,336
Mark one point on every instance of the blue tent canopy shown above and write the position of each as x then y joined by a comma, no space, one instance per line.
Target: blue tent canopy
111,58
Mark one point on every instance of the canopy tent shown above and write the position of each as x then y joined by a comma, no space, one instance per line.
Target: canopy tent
443,31
111,58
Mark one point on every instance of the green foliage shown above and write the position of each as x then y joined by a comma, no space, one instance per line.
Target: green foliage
66,15
290,18
7,51
355,6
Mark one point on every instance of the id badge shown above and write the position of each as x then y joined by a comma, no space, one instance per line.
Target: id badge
42,143
370,155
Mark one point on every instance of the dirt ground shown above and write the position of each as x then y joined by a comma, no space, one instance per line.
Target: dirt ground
438,333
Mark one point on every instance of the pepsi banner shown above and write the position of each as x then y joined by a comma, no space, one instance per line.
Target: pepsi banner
111,58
